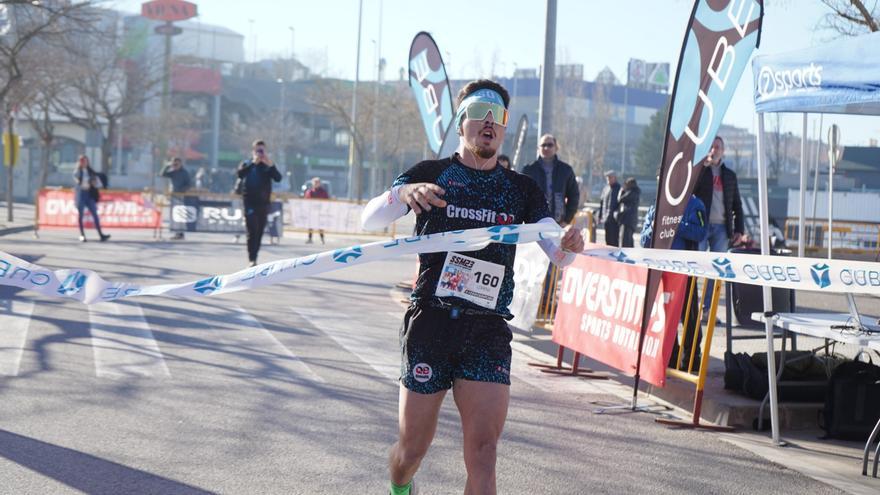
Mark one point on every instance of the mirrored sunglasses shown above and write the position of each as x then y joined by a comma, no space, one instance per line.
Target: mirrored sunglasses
478,110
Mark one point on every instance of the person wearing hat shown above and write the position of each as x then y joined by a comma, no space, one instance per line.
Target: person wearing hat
607,206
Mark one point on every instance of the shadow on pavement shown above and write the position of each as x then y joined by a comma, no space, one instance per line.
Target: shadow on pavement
85,472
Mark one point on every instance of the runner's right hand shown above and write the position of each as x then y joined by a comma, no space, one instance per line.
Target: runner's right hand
422,196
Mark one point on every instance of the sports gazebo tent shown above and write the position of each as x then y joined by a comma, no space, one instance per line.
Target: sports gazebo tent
841,77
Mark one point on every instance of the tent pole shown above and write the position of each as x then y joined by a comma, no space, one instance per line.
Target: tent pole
768,299
816,175
802,235
832,158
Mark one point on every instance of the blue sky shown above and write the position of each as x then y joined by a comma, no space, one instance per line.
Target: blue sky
495,36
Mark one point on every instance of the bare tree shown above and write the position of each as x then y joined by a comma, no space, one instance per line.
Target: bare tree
28,22
850,17
571,124
600,116
43,82
776,149
398,135
105,85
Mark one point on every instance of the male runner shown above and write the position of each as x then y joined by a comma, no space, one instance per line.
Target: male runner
461,342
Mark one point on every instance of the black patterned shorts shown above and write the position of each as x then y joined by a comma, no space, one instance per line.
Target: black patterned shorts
437,349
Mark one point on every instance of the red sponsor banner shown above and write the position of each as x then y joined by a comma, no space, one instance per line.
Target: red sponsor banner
116,209
600,314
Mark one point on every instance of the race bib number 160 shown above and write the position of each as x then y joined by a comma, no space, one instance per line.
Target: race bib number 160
471,279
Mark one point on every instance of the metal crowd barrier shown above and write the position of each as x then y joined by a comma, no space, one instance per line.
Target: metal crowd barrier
696,377
847,237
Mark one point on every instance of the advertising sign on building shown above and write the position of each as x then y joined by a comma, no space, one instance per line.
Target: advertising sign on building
169,10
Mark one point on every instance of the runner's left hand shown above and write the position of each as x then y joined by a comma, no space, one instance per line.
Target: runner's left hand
572,240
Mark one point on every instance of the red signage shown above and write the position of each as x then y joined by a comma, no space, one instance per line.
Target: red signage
169,10
600,313
116,209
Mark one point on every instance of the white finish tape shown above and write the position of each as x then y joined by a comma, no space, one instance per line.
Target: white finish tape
88,287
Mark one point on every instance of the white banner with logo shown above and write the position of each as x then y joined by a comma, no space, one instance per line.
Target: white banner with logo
859,277
529,271
88,287
333,216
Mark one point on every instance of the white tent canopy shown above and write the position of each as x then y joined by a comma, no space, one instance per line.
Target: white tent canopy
841,77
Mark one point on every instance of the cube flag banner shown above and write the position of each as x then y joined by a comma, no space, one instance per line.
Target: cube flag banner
430,85
719,40
600,315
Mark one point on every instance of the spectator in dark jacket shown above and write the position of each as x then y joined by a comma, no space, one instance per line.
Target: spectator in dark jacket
180,183
717,188
556,178
608,209
180,180
628,210
87,183
257,175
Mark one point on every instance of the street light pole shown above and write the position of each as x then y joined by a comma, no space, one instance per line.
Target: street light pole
282,124
291,42
545,116
374,169
354,173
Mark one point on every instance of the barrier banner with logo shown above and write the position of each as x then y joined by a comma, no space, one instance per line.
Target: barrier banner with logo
817,274
116,209
529,271
332,216
192,213
87,286
600,315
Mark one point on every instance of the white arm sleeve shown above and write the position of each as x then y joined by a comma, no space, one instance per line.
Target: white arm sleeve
557,256
382,210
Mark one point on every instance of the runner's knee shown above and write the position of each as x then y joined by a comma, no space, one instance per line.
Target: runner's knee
409,453
481,453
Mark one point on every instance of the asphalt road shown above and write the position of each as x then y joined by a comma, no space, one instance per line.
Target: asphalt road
288,389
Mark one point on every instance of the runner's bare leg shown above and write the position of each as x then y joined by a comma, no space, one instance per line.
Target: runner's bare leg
417,418
483,410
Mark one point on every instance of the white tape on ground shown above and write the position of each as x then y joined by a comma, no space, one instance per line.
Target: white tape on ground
88,287
842,276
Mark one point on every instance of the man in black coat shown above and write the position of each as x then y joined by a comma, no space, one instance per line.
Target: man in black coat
556,179
257,175
608,204
718,189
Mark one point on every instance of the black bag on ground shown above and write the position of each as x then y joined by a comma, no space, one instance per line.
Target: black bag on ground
852,402
742,376
747,375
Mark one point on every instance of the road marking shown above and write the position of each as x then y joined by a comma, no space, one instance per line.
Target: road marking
123,343
15,317
274,347
378,348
